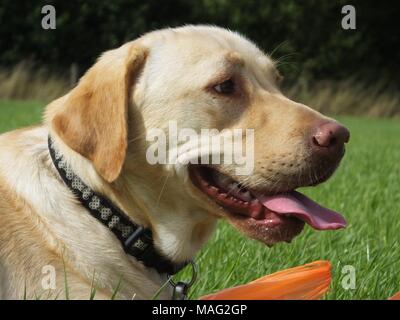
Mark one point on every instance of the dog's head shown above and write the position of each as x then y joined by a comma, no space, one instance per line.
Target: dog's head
196,78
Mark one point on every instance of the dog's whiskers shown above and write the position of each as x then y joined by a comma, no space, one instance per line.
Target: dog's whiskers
136,138
162,189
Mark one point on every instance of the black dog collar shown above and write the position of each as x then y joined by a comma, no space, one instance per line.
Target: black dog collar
135,240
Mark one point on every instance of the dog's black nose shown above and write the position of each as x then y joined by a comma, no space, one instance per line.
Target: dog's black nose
329,137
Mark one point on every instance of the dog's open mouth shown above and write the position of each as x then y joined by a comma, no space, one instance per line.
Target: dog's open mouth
286,212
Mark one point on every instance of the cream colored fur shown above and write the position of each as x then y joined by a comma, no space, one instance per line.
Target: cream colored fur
168,73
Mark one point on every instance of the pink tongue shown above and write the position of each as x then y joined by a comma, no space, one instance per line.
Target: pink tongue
303,208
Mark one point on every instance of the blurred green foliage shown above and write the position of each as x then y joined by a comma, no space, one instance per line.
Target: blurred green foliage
307,35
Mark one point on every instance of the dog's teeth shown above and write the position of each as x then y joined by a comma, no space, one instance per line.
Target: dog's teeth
234,188
213,190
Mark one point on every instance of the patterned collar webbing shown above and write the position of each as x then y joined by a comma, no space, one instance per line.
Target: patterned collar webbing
135,240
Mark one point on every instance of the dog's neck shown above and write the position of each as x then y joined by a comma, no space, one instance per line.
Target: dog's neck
153,198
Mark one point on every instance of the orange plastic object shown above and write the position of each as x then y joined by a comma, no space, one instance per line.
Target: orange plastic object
308,282
395,297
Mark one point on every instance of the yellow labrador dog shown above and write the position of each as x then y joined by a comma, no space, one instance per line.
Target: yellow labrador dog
82,206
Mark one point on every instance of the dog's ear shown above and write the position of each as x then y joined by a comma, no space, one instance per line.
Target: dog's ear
93,116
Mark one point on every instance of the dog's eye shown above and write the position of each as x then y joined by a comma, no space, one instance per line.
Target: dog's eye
226,87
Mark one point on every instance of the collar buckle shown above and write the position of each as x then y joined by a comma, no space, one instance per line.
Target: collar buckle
134,242
181,288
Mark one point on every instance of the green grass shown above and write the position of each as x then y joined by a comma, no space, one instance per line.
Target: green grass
17,114
366,189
